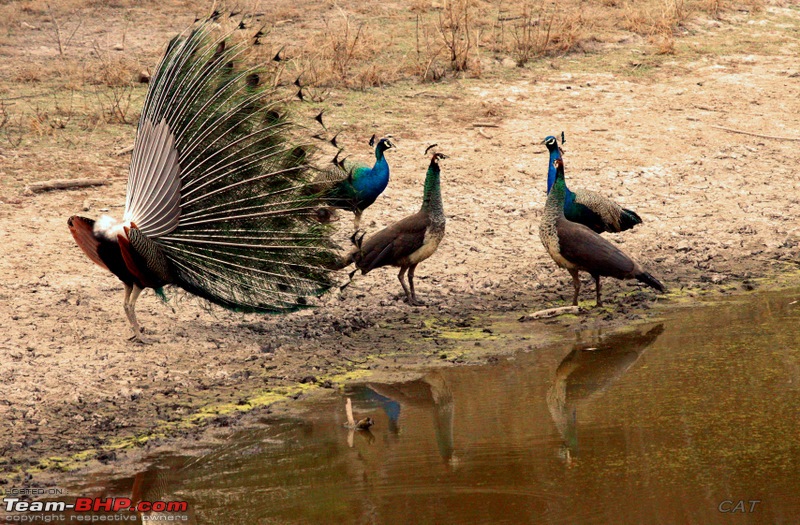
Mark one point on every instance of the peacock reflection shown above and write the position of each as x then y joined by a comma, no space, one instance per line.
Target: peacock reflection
430,393
587,371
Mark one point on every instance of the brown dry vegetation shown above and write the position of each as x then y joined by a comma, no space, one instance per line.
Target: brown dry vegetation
638,86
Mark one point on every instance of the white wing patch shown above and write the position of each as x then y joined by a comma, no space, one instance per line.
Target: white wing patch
154,192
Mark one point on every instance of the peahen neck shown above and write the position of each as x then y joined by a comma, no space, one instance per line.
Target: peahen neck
432,196
554,206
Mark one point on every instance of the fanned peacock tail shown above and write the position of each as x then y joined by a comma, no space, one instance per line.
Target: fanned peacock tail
244,234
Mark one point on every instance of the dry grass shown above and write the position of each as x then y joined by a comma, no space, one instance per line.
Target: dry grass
80,49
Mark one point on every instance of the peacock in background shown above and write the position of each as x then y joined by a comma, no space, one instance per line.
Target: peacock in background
578,249
587,207
409,241
352,186
217,201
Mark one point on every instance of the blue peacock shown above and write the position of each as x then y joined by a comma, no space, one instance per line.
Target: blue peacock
353,186
587,207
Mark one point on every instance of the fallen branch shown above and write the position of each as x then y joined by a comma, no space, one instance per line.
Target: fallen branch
485,125
773,137
550,312
483,134
123,151
63,184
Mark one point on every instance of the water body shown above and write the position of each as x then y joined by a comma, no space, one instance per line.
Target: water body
693,420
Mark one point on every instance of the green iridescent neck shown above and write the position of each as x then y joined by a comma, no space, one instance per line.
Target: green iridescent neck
558,193
432,196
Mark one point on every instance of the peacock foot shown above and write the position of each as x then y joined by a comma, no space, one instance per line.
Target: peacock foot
416,302
138,337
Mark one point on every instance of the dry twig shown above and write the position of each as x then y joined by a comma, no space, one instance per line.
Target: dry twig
773,137
550,312
63,184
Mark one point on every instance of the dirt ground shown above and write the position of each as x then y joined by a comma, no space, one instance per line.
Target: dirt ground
720,214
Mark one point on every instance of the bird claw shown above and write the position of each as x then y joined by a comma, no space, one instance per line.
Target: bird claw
416,302
138,337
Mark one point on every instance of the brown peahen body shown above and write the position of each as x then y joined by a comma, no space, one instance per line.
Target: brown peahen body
216,201
409,241
577,248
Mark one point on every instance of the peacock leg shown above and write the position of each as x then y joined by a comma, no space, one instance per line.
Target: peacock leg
414,301
403,283
356,231
576,283
128,290
130,310
597,289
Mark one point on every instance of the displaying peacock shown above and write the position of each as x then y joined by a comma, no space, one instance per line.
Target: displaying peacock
578,249
587,207
409,241
352,186
216,197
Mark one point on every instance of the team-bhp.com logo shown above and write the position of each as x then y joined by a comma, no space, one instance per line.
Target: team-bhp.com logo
91,505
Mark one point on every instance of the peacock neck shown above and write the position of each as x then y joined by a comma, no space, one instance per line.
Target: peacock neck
370,182
432,196
555,153
381,167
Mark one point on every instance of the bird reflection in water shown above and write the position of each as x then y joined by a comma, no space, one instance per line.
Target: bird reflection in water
430,393
587,371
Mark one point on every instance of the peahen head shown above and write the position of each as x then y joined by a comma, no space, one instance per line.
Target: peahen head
436,156
558,166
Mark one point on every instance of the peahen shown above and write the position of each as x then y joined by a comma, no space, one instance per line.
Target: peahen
409,241
578,249
355,187
216,201
587,207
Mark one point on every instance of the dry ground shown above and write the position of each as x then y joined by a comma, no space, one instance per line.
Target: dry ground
720,212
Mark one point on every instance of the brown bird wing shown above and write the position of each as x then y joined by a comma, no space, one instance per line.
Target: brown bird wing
82,230
394,243
591,252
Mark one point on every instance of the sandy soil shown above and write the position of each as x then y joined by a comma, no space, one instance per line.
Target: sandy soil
720,212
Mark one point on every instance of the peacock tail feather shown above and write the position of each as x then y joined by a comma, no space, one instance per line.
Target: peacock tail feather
218,192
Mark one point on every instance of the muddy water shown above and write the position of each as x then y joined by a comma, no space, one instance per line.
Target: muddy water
693,420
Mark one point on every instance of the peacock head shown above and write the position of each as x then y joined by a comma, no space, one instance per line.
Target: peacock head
551,143
383,144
